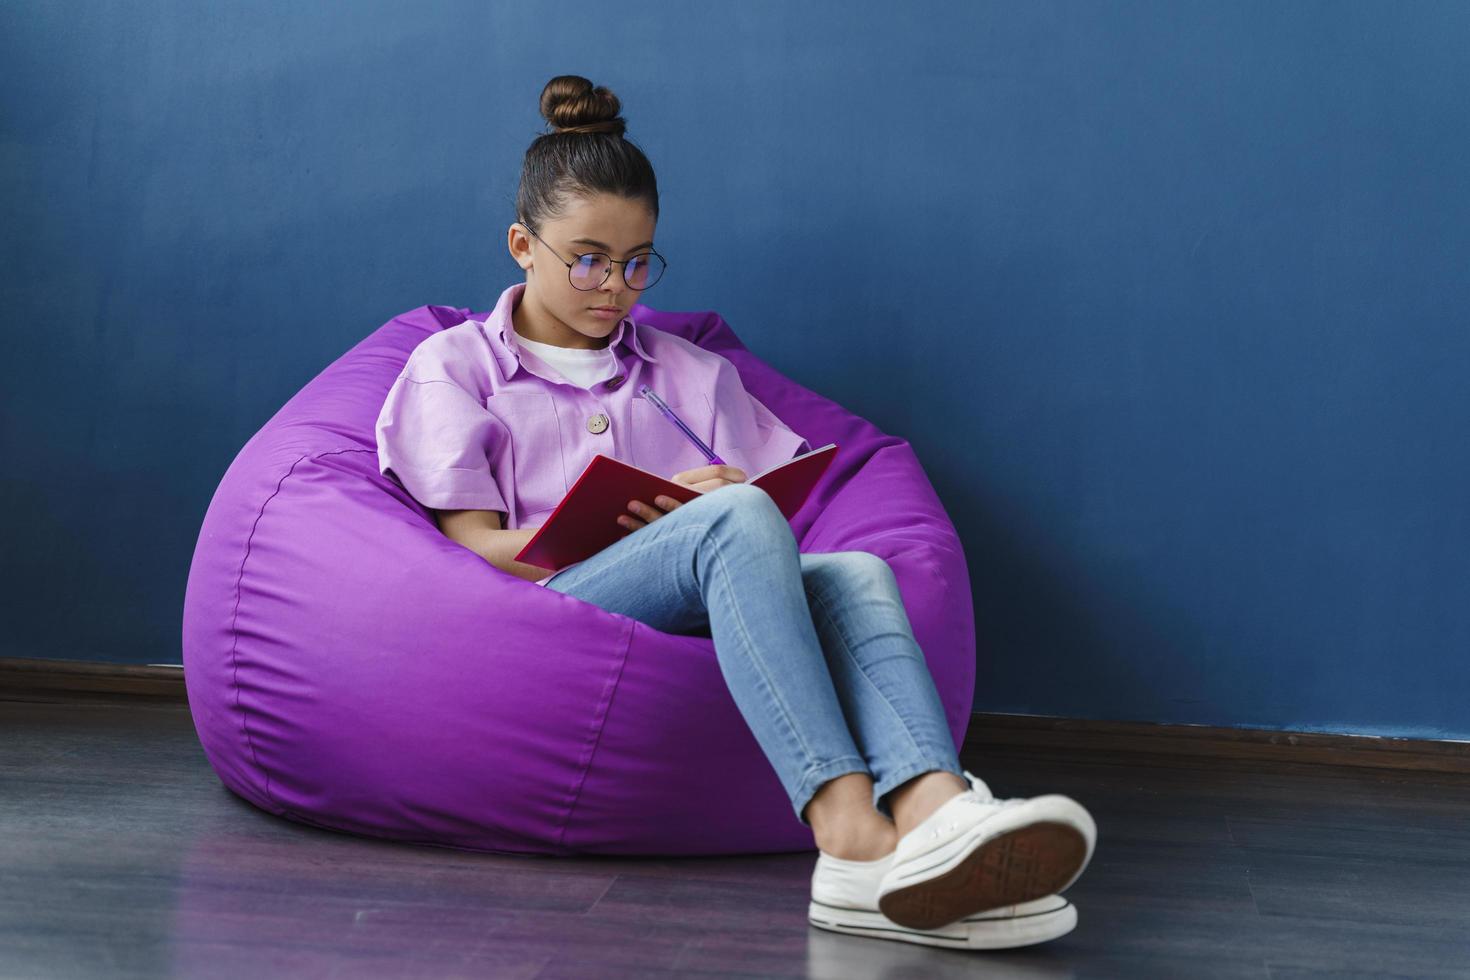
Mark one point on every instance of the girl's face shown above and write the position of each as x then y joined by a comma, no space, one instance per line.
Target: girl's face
554,311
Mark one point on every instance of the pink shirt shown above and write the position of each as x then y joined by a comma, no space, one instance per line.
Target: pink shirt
476,422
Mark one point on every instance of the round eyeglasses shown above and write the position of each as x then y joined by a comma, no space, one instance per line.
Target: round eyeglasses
591,269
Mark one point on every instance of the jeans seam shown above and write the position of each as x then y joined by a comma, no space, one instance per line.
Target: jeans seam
772,691
847,653
928,761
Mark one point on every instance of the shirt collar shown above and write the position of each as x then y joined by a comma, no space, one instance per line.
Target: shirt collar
499,329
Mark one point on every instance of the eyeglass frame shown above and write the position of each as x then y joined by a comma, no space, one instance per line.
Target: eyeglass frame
611,261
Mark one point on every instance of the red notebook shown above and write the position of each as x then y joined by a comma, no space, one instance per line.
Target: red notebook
586,520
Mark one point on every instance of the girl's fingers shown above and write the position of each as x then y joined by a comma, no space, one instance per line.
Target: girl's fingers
647,513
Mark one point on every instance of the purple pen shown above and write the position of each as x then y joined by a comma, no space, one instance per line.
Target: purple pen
658,403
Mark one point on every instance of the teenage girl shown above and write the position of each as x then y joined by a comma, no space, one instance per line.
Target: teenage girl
816,649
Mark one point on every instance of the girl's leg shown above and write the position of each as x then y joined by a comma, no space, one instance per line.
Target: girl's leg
728,560
883,683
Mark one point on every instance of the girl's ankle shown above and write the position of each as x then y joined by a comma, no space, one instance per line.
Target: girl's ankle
914,811
870,845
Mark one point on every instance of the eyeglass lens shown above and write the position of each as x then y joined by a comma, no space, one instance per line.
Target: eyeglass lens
640,272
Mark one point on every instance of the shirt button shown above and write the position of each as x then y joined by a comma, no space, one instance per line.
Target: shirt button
597,423
615,382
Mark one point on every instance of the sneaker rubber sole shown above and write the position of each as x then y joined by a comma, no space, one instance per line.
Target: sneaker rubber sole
1009,868
1006,928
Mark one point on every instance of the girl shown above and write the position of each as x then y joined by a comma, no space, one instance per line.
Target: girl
816,648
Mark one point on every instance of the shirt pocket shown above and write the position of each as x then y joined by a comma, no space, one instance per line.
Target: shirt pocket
660,446
535,448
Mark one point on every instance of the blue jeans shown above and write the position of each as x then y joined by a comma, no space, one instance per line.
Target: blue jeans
816,649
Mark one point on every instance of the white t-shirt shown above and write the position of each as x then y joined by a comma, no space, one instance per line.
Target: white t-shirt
583,368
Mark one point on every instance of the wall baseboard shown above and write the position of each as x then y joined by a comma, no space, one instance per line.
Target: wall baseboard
1089,738
74,681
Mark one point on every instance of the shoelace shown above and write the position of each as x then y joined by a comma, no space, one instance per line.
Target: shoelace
984,795
979,794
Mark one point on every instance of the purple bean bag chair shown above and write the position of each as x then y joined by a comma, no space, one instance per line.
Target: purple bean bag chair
351,668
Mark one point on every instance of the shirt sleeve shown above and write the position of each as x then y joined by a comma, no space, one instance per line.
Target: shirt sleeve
435,438
748,428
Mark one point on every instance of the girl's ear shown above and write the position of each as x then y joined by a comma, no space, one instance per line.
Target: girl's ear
518,243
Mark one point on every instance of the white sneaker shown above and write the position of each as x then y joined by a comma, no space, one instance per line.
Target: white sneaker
976,853
844,900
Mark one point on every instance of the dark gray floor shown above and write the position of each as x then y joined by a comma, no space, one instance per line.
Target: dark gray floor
121,855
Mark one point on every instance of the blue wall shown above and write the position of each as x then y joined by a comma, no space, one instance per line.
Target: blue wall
1171,298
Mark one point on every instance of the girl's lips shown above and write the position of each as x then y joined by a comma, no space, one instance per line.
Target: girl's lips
606,313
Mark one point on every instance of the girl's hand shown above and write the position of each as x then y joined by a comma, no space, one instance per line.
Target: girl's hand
701,478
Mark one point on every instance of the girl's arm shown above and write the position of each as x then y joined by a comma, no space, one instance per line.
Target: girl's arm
480,531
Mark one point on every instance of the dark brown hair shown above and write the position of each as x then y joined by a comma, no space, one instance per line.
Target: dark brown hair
585,154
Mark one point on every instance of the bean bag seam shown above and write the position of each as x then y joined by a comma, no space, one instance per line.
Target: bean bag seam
235,633
235,617
589,752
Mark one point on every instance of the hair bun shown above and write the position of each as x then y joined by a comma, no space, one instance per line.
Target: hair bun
573,104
